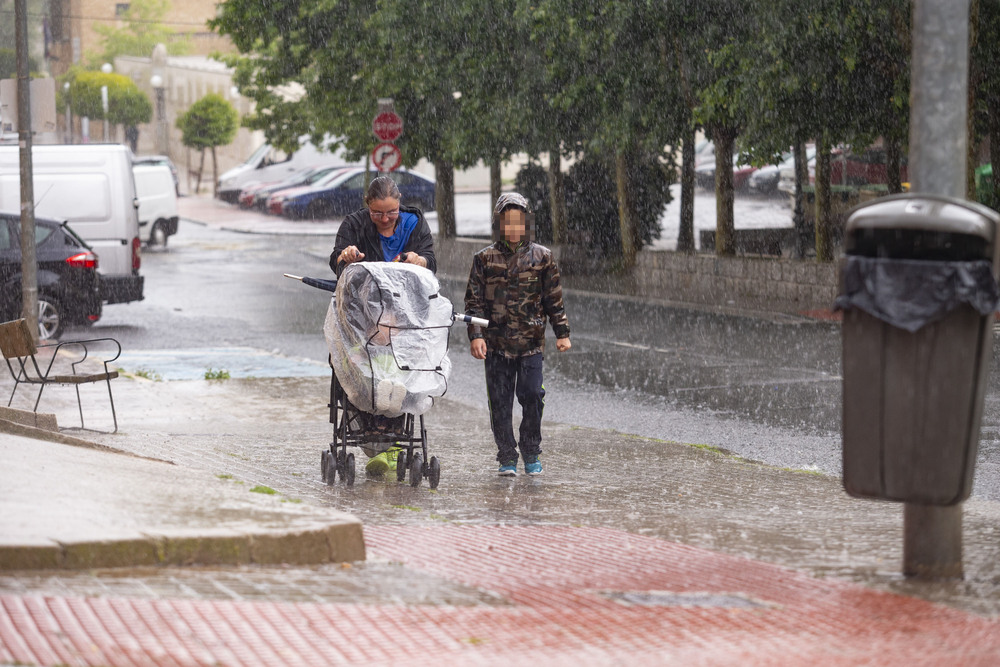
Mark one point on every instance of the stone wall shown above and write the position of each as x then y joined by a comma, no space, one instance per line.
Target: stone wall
752,283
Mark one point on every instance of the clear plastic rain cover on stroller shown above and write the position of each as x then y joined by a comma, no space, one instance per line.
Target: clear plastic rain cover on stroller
387,330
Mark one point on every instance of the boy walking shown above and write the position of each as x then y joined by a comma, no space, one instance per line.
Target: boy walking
514,283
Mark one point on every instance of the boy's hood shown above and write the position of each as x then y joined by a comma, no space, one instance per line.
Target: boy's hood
515,199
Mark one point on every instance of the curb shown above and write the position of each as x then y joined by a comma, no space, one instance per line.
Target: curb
336,542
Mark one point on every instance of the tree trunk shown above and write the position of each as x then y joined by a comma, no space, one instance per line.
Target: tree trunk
626,210
557,197
893,161
495,184
824,248
495,187
444,198
798,210
972,84
215,174
201,170
685,235
725,227
993,107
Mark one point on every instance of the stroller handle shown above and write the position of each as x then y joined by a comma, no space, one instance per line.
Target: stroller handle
478,321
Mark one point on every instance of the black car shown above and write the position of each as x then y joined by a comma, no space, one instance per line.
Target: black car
68,283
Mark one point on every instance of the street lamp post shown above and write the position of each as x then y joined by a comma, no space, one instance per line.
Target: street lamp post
104,109
69,115
157,81
107,69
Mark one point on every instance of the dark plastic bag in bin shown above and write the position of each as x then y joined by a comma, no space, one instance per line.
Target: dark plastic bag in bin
910,293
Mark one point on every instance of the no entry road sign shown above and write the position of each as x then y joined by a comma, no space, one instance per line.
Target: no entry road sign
387,126
386,157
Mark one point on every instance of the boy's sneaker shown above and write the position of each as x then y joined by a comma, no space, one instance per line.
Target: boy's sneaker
533,467
508,469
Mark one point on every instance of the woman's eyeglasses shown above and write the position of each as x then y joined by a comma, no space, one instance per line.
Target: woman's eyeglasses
384,215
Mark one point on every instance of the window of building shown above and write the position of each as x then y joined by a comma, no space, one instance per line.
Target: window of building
121,9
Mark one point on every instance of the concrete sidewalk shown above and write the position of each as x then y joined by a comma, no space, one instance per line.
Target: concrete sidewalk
68,503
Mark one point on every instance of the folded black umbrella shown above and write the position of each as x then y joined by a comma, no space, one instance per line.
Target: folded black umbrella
320,283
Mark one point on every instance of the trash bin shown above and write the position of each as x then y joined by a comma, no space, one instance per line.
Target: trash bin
918,289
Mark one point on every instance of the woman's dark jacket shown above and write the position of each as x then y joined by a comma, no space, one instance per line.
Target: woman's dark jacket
357,229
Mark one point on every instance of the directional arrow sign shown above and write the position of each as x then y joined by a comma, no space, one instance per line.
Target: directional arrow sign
386,157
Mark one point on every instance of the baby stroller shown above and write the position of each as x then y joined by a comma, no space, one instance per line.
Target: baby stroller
387,330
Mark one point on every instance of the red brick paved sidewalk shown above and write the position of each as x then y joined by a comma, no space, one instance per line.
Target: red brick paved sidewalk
565,591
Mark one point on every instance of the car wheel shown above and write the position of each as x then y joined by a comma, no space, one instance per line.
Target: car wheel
158,236
50,321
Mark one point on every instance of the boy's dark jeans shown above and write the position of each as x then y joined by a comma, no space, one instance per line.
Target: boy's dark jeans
505,379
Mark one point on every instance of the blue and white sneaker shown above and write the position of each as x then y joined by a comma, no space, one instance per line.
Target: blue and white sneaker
508,469
533,467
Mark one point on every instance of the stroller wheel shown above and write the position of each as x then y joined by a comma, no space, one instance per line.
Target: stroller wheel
416,469
434,472
322,463
349,470
331,469
401,466
342,464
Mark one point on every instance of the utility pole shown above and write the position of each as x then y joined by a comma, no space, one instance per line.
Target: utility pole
932,535
29,263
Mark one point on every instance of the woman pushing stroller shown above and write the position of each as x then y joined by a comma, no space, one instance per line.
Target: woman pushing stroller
384,230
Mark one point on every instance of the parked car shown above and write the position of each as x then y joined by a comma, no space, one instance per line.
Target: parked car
345,193
276,200
257,196
68,283
704,175
157,210
160,160
765,180
848,168
269,164
92,187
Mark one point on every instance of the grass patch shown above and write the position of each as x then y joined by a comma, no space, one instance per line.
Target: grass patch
212,374
407,507
263,489
296,501
147,374
709,448
224,475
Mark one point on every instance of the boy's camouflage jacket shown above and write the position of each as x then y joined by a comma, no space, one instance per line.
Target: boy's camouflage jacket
515,289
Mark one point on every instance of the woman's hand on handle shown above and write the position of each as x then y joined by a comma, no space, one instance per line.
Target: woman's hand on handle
351,254
414,258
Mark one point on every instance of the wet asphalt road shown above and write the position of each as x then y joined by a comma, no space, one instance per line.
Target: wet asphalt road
766,389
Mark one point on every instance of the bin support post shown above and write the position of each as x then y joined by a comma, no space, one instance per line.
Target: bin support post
932,535
932,541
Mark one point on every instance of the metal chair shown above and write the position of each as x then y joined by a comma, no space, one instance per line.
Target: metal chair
19,350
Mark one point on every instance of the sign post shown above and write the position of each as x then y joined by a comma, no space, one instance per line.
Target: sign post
387,126
386,157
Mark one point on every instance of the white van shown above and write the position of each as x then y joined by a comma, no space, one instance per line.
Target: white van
154,188
268,164
90,186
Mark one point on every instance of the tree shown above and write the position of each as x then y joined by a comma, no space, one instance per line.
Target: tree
836,72
8,64
211,121
609,97
127,105
142,31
